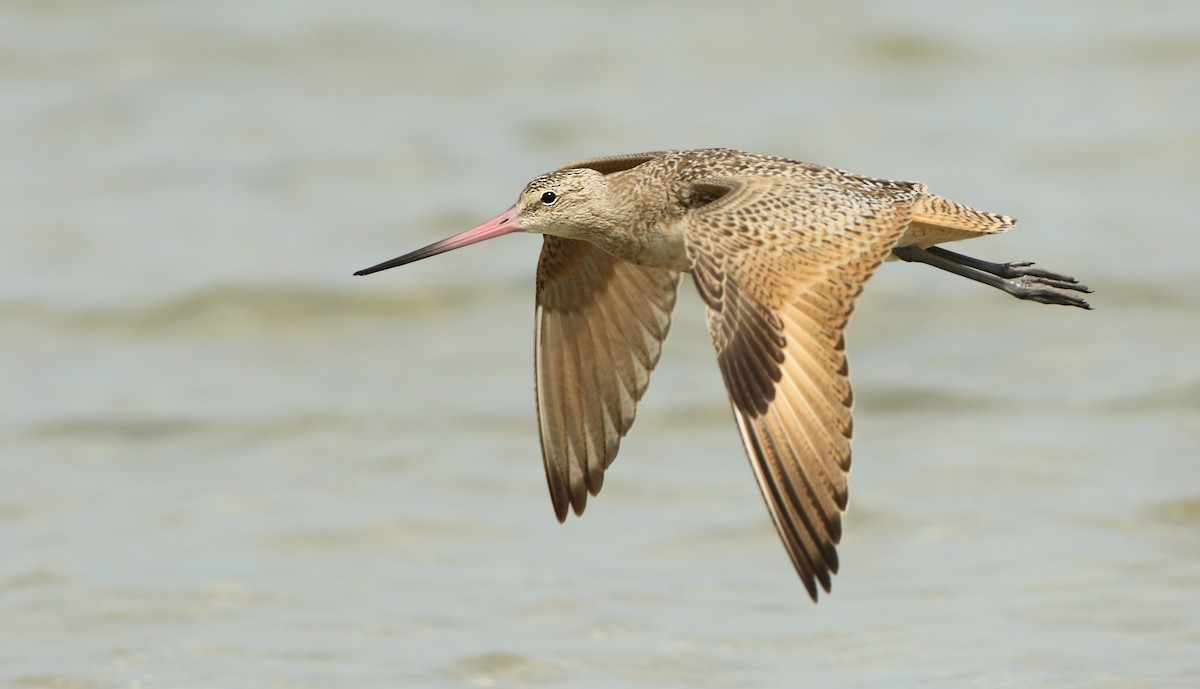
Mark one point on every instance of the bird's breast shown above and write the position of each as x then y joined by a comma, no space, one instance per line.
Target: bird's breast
658,245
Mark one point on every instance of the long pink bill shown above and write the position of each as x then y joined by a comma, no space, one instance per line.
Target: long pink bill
504,223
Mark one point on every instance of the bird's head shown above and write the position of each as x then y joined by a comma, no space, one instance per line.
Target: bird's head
567,203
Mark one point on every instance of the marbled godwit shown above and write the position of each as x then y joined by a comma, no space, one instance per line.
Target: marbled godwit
779,251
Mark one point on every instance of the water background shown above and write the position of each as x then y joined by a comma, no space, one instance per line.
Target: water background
226,463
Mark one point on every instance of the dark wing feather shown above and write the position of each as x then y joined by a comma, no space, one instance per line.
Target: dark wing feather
779,263
600,327
610,164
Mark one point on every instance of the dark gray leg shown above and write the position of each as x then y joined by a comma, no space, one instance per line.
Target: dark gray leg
1019,279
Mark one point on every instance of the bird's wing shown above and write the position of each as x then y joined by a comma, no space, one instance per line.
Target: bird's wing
610,164
600,327
779,264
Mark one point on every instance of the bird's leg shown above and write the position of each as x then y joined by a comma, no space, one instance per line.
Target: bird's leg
1018,278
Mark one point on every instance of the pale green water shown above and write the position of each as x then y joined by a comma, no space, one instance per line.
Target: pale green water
227,463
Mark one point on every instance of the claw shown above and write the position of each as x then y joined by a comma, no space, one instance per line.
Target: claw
1047,291
1018,269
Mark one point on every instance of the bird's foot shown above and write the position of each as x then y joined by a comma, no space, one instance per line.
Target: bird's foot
1016,269
1044,286
1018,278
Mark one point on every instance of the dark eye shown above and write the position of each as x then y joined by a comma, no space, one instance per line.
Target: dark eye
549,198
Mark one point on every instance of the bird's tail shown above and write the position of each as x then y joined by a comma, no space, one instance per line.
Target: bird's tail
936,220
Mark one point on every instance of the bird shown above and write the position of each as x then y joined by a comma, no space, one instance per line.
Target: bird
779,251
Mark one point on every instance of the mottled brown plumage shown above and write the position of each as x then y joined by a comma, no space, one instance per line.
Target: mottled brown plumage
779,251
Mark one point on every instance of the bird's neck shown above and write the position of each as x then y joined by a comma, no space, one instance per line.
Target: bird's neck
641,226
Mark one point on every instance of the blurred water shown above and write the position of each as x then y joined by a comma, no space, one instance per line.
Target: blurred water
225,462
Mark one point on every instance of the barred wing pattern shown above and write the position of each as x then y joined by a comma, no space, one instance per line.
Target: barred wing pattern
777,308
600,326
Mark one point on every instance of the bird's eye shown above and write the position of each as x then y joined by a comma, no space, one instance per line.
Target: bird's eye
549,198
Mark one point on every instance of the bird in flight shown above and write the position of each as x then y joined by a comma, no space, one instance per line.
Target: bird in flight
779,251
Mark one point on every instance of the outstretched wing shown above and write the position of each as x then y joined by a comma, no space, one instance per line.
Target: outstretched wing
600,327
610,164
779,264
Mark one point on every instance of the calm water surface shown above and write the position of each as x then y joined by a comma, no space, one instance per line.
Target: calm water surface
226,463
